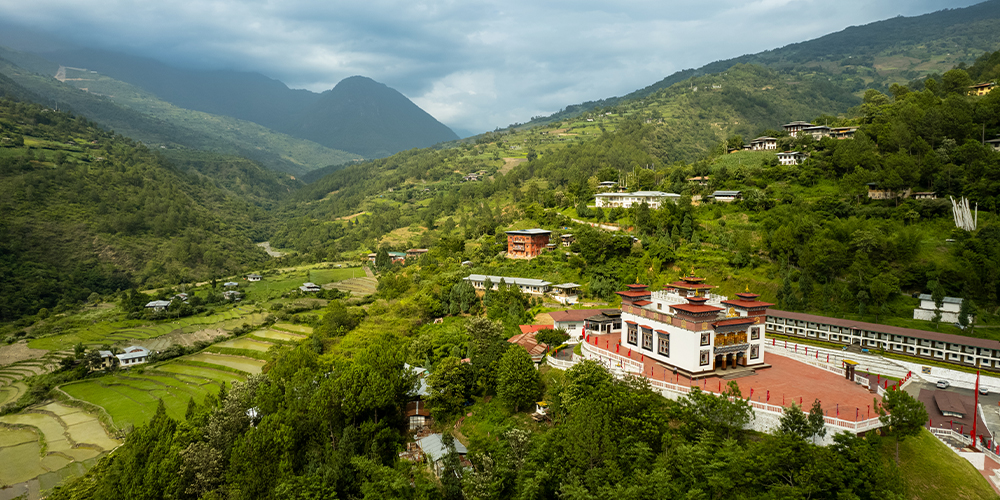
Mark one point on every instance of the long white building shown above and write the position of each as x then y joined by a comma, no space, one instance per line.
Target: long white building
654,199
687,328
527,285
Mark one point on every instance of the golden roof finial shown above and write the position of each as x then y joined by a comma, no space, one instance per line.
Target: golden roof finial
748,289
692,271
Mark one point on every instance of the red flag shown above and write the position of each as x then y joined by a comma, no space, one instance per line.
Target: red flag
630,352
768,396
827,358
838,410
975,406
751,392
720,385
642,357
886,384
800,400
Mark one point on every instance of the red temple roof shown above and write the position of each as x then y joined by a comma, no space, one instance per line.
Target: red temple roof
695,309
734,321
747,304
642,303
631,293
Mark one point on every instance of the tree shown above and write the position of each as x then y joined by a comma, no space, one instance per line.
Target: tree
518,382
794,422
902,414
382,261
721,414
448,386
551,337
965,312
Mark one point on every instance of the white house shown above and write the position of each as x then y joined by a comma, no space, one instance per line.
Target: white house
253,277
566,293
310,287
575,320
791,158
817,131
158,305
727,196
133,355
793,128
686,328
626,200
949,309
607,186
764,144
230,284
527,285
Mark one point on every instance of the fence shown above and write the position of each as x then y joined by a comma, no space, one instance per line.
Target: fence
766,416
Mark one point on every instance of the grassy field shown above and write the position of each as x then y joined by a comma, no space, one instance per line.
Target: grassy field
932,471
276,335
246,343
248,365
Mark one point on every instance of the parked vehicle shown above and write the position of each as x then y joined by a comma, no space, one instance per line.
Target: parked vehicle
983,391
943,384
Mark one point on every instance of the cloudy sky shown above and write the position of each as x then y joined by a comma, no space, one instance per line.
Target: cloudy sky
473,65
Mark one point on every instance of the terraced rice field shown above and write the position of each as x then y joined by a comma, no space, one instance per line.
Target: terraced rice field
357,286
132,398
248,365
10,393
103,333
73,439
15,372
286,327
276,335
246,343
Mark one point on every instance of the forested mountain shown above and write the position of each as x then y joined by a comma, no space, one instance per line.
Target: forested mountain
86,211
140,115
881,53
358,115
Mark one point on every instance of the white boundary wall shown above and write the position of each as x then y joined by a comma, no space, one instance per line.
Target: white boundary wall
766,416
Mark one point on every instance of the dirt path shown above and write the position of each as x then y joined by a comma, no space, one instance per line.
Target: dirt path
594,224
266,245
368,272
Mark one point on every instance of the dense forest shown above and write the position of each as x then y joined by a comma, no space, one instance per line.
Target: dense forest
89,212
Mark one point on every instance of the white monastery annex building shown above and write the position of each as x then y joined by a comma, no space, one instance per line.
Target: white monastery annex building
691,330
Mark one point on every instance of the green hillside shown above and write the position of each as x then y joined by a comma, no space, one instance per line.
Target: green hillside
89,212
141,115
874,55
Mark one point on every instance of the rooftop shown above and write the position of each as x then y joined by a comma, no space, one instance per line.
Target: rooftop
726,193
566,285
529,343
949,402
433,447
577,314
530,232
891,330
947,300
508,280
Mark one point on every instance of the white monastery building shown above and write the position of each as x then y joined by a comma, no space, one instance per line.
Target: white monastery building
527,285
949,309
654,199
691,330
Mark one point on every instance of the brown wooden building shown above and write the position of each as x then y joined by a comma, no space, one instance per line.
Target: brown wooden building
526,243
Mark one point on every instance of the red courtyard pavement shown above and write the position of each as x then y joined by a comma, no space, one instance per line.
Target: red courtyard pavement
787,381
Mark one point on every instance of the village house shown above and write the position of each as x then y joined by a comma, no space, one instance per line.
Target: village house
394,257
158,305
654,199
957,349
793,128
526,285
310,287
727,196
567,240
607,186
229,284
791,158
949,308
995,143
574,321
414,253
133,355
982,88
526,243
699,180
528,342
875,193
816,131
108,360
253,277
764,144
566,293
688,329
925,195
434,450
232,295
417,414
843,132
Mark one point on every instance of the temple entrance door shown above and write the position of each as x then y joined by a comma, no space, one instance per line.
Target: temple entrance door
739,360
719,362
730,361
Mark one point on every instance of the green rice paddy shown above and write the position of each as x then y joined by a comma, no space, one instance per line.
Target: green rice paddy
248,365
286,327
73,439
276,335
246,343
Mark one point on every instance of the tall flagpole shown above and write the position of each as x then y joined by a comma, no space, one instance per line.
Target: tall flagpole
975,409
